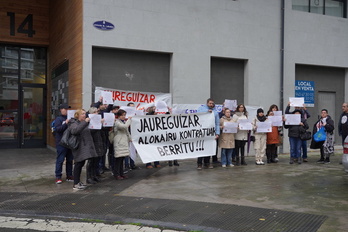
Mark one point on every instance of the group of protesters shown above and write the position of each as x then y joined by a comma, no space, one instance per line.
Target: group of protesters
97,146
266,143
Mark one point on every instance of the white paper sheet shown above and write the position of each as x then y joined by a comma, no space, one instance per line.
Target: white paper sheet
139,112
70,114
263,127
107,97
109,119
130,110
277,113
230,127
292,119
245,126
230,104
276,120
95,122
296,101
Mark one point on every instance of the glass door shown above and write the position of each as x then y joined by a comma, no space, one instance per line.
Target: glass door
33,114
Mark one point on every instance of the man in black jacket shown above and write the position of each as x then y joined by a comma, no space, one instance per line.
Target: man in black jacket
343,123
63,153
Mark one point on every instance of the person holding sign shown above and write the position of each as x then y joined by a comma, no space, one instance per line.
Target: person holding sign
241,137
304,114
260,137
79,126
92,163
226,140
209,107
121,143
272,142
295,139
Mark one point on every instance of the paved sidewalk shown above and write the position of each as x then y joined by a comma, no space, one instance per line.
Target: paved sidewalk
274,197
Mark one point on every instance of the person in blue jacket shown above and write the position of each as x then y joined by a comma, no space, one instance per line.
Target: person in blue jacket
209,107
63,153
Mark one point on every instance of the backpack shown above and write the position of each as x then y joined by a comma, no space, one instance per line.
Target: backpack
53,127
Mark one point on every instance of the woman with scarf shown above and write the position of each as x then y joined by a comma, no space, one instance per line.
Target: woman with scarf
260,138
327,146
241,137
226,141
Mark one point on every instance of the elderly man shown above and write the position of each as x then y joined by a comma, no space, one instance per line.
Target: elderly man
343,123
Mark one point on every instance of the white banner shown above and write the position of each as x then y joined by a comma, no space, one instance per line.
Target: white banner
190,108
141,100
170,137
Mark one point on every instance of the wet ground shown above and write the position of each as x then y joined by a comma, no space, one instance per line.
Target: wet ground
311,188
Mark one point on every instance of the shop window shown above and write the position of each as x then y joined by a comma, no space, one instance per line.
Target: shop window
335,8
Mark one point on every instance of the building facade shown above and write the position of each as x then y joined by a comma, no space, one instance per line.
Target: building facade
252,51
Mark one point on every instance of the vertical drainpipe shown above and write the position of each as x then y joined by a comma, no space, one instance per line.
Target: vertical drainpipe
282,35
282,55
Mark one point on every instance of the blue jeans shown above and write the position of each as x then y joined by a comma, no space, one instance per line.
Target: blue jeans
295,147
129,162
62,154
304,149
226,156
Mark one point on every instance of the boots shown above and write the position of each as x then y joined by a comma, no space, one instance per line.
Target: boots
299,160
237,160
291,160
176,163
89,172
243,160
268,158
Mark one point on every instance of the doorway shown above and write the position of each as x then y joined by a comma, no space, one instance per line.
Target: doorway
22,97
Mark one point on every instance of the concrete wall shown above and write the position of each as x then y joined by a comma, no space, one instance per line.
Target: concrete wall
193,31
196,30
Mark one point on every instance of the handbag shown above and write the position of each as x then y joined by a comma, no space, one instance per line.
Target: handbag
69,140
320,135
307,135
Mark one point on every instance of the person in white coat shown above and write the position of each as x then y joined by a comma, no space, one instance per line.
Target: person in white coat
121,143
260,138
241,137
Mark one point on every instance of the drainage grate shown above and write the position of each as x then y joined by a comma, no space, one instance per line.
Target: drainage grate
205,216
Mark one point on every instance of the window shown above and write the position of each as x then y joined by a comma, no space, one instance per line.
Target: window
335,8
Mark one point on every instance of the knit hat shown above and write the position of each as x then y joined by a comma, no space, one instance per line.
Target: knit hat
259,110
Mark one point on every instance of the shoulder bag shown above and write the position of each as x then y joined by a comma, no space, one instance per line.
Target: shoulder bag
69,140
320,135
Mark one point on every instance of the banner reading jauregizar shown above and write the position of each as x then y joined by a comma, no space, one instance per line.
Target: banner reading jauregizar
169,137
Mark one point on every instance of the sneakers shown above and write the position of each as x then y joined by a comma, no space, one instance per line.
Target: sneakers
224,166
210,166
199,167
291,161
327,161
261,162
231,165
58,181
257,162
321,161
70,179
305,160
79,186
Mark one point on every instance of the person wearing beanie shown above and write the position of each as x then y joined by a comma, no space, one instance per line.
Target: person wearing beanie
260,138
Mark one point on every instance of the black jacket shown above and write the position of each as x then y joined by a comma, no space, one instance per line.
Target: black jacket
329,128
60,126
295,130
